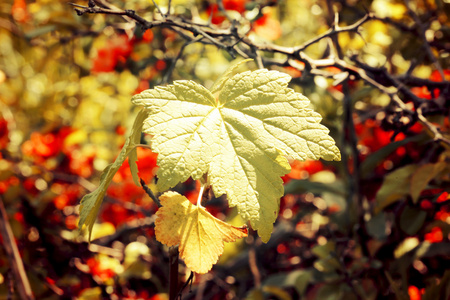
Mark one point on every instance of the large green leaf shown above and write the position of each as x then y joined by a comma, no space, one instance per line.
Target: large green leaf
239,138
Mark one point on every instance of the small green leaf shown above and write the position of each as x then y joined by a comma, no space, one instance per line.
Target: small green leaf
395,186
330,292
307,186
324,251
135,138
376,226
412,220
369,164
90,204
299,279
422,176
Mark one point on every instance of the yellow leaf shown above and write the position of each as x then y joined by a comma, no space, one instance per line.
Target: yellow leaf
91,294
385,8
200,235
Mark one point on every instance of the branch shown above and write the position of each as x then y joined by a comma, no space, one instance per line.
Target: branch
150,193
333,31
127,228
22,284
232,41
173,273
421,30
416,81
166,22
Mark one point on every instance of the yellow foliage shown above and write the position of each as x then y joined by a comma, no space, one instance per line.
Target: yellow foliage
385,8
200,235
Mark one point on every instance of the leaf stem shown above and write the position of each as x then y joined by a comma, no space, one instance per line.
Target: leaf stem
200,194
149,192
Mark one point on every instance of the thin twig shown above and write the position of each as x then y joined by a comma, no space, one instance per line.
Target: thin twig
223,10
188,281
259,61
349,139
22,284
157,7
254,266
421,30
169,7
125,230
169,71
149,192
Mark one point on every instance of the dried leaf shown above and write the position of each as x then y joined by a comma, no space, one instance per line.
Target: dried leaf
200,235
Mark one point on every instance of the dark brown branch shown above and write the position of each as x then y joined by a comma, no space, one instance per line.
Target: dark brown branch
401,26
125,229
173,273
234,42
334,30
421,30
416,81
167,22
150,193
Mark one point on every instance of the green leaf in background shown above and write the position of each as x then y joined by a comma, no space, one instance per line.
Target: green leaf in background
330,292
369,164
376,226
315,187
396,185
412,220
422,176
299,279
440,289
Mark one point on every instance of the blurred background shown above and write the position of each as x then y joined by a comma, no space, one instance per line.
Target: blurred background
374,226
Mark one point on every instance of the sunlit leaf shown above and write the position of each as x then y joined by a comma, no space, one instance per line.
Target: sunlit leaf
200,235
218,85
90,294
239,138
90,204
405,246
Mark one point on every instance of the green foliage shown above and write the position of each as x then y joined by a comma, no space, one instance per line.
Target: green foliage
90,204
